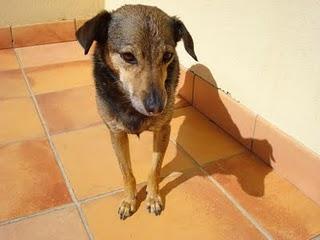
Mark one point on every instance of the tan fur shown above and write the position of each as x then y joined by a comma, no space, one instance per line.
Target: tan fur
138,96
160,144
120,145
137,79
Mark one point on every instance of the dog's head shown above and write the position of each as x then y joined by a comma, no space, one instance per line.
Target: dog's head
140,45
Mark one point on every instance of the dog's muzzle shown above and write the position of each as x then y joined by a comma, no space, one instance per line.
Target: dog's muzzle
154,102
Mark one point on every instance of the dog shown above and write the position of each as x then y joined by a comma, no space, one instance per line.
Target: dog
136,72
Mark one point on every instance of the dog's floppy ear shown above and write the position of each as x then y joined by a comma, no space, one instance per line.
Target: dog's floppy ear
181,32
95,29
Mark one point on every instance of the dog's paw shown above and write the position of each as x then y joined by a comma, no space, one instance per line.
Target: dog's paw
126,208
154,204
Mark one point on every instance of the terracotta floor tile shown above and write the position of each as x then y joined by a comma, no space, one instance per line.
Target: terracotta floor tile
19,120
5,37
63,224
194,209
288,157
230,115
202,139
42,33
185,86
180,102
12,85
88,152
51,54
69,109
280,207
60,76
8,60
30,179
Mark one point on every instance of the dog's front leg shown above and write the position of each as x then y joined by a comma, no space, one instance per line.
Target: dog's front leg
160,144
121,147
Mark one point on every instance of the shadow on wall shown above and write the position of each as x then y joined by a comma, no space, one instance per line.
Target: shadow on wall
249,176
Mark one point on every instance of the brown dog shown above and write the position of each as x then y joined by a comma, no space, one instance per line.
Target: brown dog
136,72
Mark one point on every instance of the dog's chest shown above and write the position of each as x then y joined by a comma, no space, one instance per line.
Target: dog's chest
127,120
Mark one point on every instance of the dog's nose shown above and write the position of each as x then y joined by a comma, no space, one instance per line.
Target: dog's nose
153,102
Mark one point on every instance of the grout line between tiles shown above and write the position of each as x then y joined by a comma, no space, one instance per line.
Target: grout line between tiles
235,203
44,43
13,98
121,189
75,25
11,32
65,89
77,129
253,132
220,127
57,157
72,204
102,195
77,203
243,211
91,85
92,125
40,213
316,237
40,137
193,84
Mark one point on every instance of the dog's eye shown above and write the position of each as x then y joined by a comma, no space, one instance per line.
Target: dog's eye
128,57
167,57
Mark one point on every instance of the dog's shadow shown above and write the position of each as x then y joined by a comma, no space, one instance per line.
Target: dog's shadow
251,184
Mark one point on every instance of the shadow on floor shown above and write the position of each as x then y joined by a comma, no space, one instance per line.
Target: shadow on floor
252,184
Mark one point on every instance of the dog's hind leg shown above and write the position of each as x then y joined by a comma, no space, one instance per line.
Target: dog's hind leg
160,144
120,144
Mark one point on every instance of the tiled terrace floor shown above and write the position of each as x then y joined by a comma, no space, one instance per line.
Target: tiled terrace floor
60,179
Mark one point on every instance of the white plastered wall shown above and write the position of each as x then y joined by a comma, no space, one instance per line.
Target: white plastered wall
20,12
